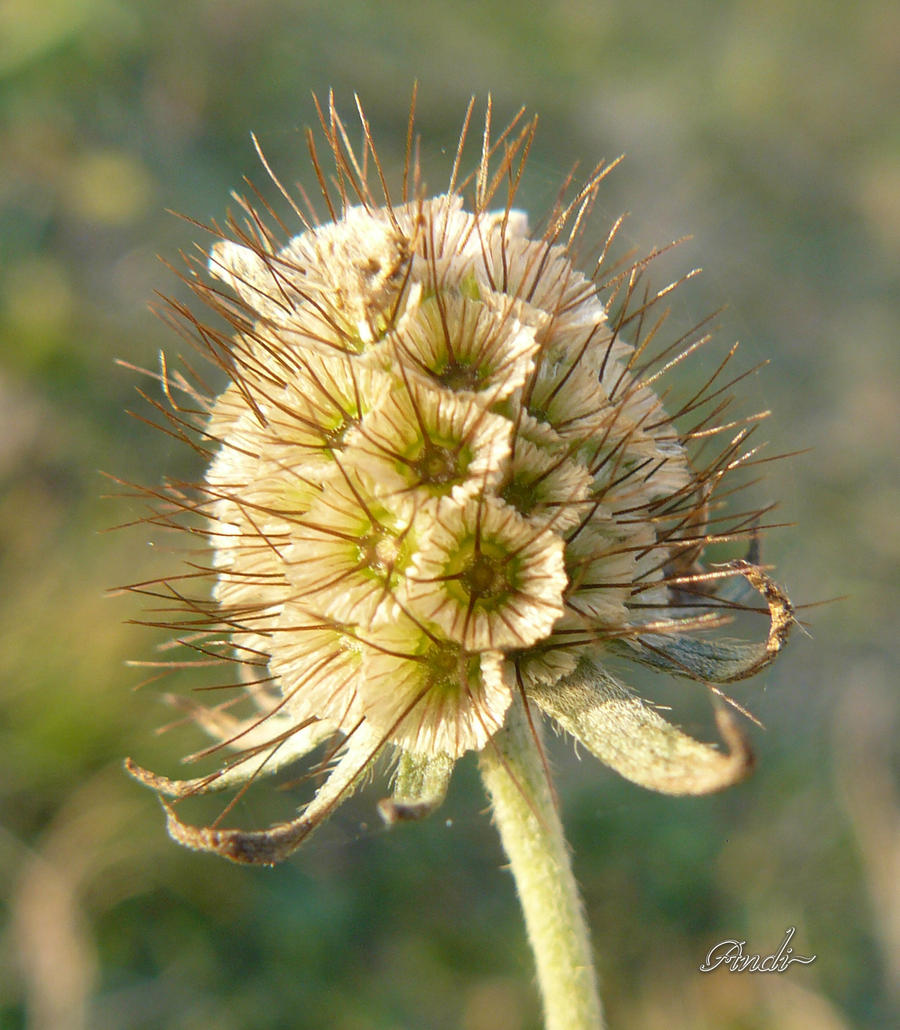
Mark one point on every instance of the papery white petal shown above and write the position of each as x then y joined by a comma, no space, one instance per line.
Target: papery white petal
431,696
546,487
425,443
318,667
487,577
464,345
349,553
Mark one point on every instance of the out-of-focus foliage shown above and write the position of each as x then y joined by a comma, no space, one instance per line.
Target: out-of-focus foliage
768,130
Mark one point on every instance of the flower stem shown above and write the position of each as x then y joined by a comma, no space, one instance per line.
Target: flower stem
526,816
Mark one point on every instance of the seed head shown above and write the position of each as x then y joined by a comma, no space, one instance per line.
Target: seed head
441,474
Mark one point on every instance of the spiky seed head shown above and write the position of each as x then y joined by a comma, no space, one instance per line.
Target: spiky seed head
442,473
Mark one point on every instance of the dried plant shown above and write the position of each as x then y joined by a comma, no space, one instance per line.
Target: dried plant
441,491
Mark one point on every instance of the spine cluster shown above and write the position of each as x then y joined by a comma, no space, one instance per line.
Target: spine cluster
436,471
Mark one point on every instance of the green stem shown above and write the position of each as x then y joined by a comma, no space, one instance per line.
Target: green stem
526,816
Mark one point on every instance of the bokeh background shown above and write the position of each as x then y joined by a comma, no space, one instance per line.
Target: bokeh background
770,130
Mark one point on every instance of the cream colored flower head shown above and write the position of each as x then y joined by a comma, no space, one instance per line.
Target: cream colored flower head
441,475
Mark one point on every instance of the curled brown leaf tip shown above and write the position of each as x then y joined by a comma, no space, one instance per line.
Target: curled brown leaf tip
741,759
781,611
420,787
245,847
724,660
171,788
393,811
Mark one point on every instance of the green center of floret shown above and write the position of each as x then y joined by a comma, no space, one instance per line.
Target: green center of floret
333,436
379,552
485,578
520,495
450,669
438,466
456,375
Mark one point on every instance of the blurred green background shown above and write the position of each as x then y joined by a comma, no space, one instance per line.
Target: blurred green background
769,129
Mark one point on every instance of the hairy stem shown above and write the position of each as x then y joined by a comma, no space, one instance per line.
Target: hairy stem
526,816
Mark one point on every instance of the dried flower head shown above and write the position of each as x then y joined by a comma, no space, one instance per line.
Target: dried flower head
441,477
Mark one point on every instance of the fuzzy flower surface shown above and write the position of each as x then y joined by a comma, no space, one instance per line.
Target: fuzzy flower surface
440,477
